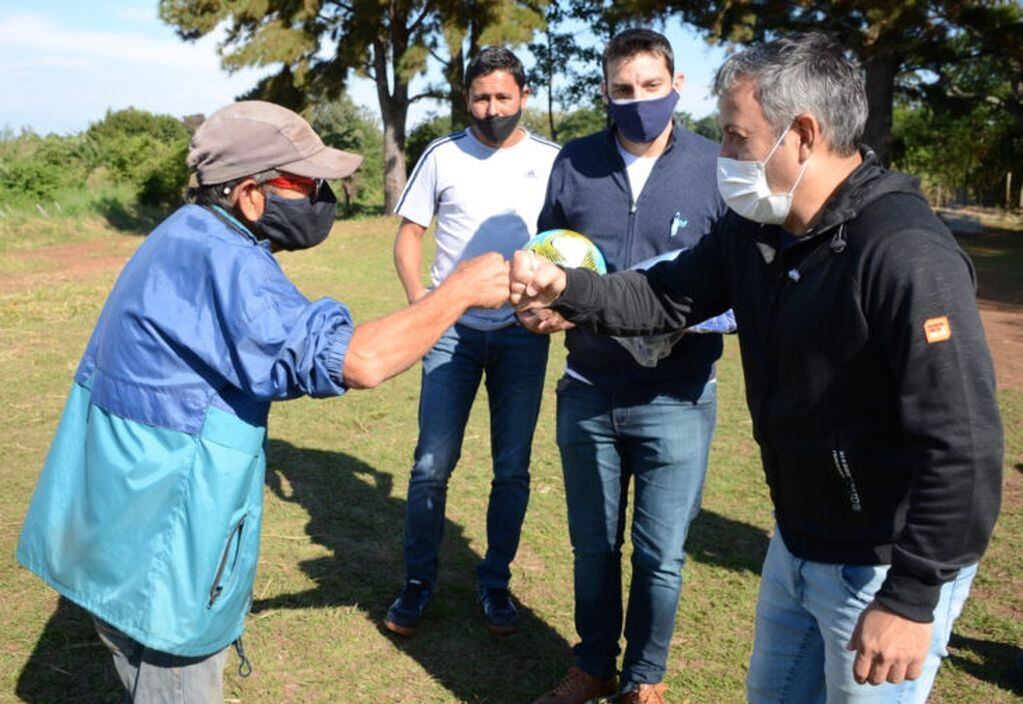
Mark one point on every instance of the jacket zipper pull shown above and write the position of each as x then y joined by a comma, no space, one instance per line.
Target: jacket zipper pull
244,664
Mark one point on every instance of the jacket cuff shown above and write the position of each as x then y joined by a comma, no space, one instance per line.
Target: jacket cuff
577,294
907,596
336,351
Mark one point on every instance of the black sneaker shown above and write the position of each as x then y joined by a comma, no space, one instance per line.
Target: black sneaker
404,614
498,611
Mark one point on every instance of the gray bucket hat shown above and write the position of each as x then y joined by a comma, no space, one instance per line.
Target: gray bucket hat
250,136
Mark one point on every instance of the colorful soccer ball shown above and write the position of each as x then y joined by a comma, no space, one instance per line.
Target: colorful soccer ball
569,249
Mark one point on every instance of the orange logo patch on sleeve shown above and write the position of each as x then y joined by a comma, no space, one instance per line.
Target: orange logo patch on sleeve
937,329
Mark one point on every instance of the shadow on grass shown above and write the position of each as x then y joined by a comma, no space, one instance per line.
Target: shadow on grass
993,662
718,540
69,663
352,513
134,218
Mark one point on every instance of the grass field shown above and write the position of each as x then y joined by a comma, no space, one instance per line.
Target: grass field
335,494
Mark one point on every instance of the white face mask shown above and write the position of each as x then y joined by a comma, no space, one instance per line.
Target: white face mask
743,186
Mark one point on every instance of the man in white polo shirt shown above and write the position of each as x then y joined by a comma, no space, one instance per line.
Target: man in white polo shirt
485,185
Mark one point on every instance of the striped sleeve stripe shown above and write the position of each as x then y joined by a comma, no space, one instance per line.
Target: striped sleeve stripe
549,143
453,137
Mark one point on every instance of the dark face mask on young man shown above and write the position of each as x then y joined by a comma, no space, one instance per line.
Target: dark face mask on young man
642,121
297,223
497,128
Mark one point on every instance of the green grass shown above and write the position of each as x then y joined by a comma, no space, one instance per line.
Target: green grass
331,552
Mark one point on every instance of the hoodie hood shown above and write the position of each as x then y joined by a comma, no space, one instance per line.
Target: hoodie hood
867,183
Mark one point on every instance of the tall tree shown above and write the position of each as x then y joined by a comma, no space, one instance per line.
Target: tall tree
318,43
891,39
982,64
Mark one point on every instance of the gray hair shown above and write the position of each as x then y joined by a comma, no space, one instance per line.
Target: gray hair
803,73
220,193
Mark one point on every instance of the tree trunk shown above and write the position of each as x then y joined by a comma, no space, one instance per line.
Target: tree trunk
881,68
394,112
456,86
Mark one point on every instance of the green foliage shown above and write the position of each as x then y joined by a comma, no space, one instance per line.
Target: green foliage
433,127
317,44
34,169
28,181
893,40
962,157
140,149
128,148
581,122
344,125
165,182
537,122
706,126
131,122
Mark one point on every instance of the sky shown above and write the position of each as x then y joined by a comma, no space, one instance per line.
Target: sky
64,63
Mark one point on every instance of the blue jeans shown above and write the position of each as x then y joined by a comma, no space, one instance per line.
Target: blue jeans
806,614
662,445
514,361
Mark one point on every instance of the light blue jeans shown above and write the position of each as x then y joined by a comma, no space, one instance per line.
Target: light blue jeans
514,362
662,447
806,614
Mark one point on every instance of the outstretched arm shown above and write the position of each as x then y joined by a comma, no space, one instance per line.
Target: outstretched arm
387,346
666,297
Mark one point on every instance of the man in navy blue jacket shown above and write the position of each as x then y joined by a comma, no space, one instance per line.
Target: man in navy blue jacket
641,190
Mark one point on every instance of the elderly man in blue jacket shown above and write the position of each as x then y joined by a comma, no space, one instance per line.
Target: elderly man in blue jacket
148,510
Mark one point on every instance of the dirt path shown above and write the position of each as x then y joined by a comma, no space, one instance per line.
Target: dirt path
997,254
61,263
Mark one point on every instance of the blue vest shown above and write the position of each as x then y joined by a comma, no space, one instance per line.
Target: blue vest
148,509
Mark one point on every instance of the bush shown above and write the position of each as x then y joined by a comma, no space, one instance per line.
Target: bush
144,151
164,187
433,127
29,181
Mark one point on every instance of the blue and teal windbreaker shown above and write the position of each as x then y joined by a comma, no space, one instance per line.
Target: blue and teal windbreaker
148,510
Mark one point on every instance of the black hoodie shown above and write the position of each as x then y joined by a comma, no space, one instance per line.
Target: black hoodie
868,376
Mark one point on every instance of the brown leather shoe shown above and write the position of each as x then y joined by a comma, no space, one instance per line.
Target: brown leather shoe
578,687
646,694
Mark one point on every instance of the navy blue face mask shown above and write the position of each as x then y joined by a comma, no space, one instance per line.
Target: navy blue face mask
297,223
643,121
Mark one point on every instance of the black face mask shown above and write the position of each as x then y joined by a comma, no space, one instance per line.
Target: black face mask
497,128
297,223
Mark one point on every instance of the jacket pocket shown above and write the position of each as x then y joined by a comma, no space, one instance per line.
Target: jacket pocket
228,561
852,494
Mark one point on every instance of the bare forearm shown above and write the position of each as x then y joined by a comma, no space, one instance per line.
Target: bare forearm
388,346
408,252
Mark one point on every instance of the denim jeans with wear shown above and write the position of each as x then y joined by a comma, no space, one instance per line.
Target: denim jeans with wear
662,445
806,614
514,361
154,677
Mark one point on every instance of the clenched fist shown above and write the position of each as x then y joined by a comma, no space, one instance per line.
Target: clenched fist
535,282
486,279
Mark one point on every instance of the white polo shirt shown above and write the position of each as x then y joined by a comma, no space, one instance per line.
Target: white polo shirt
485,200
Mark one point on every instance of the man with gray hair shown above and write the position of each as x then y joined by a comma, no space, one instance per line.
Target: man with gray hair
148,510
868,377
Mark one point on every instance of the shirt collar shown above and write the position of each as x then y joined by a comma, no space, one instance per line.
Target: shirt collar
226,216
